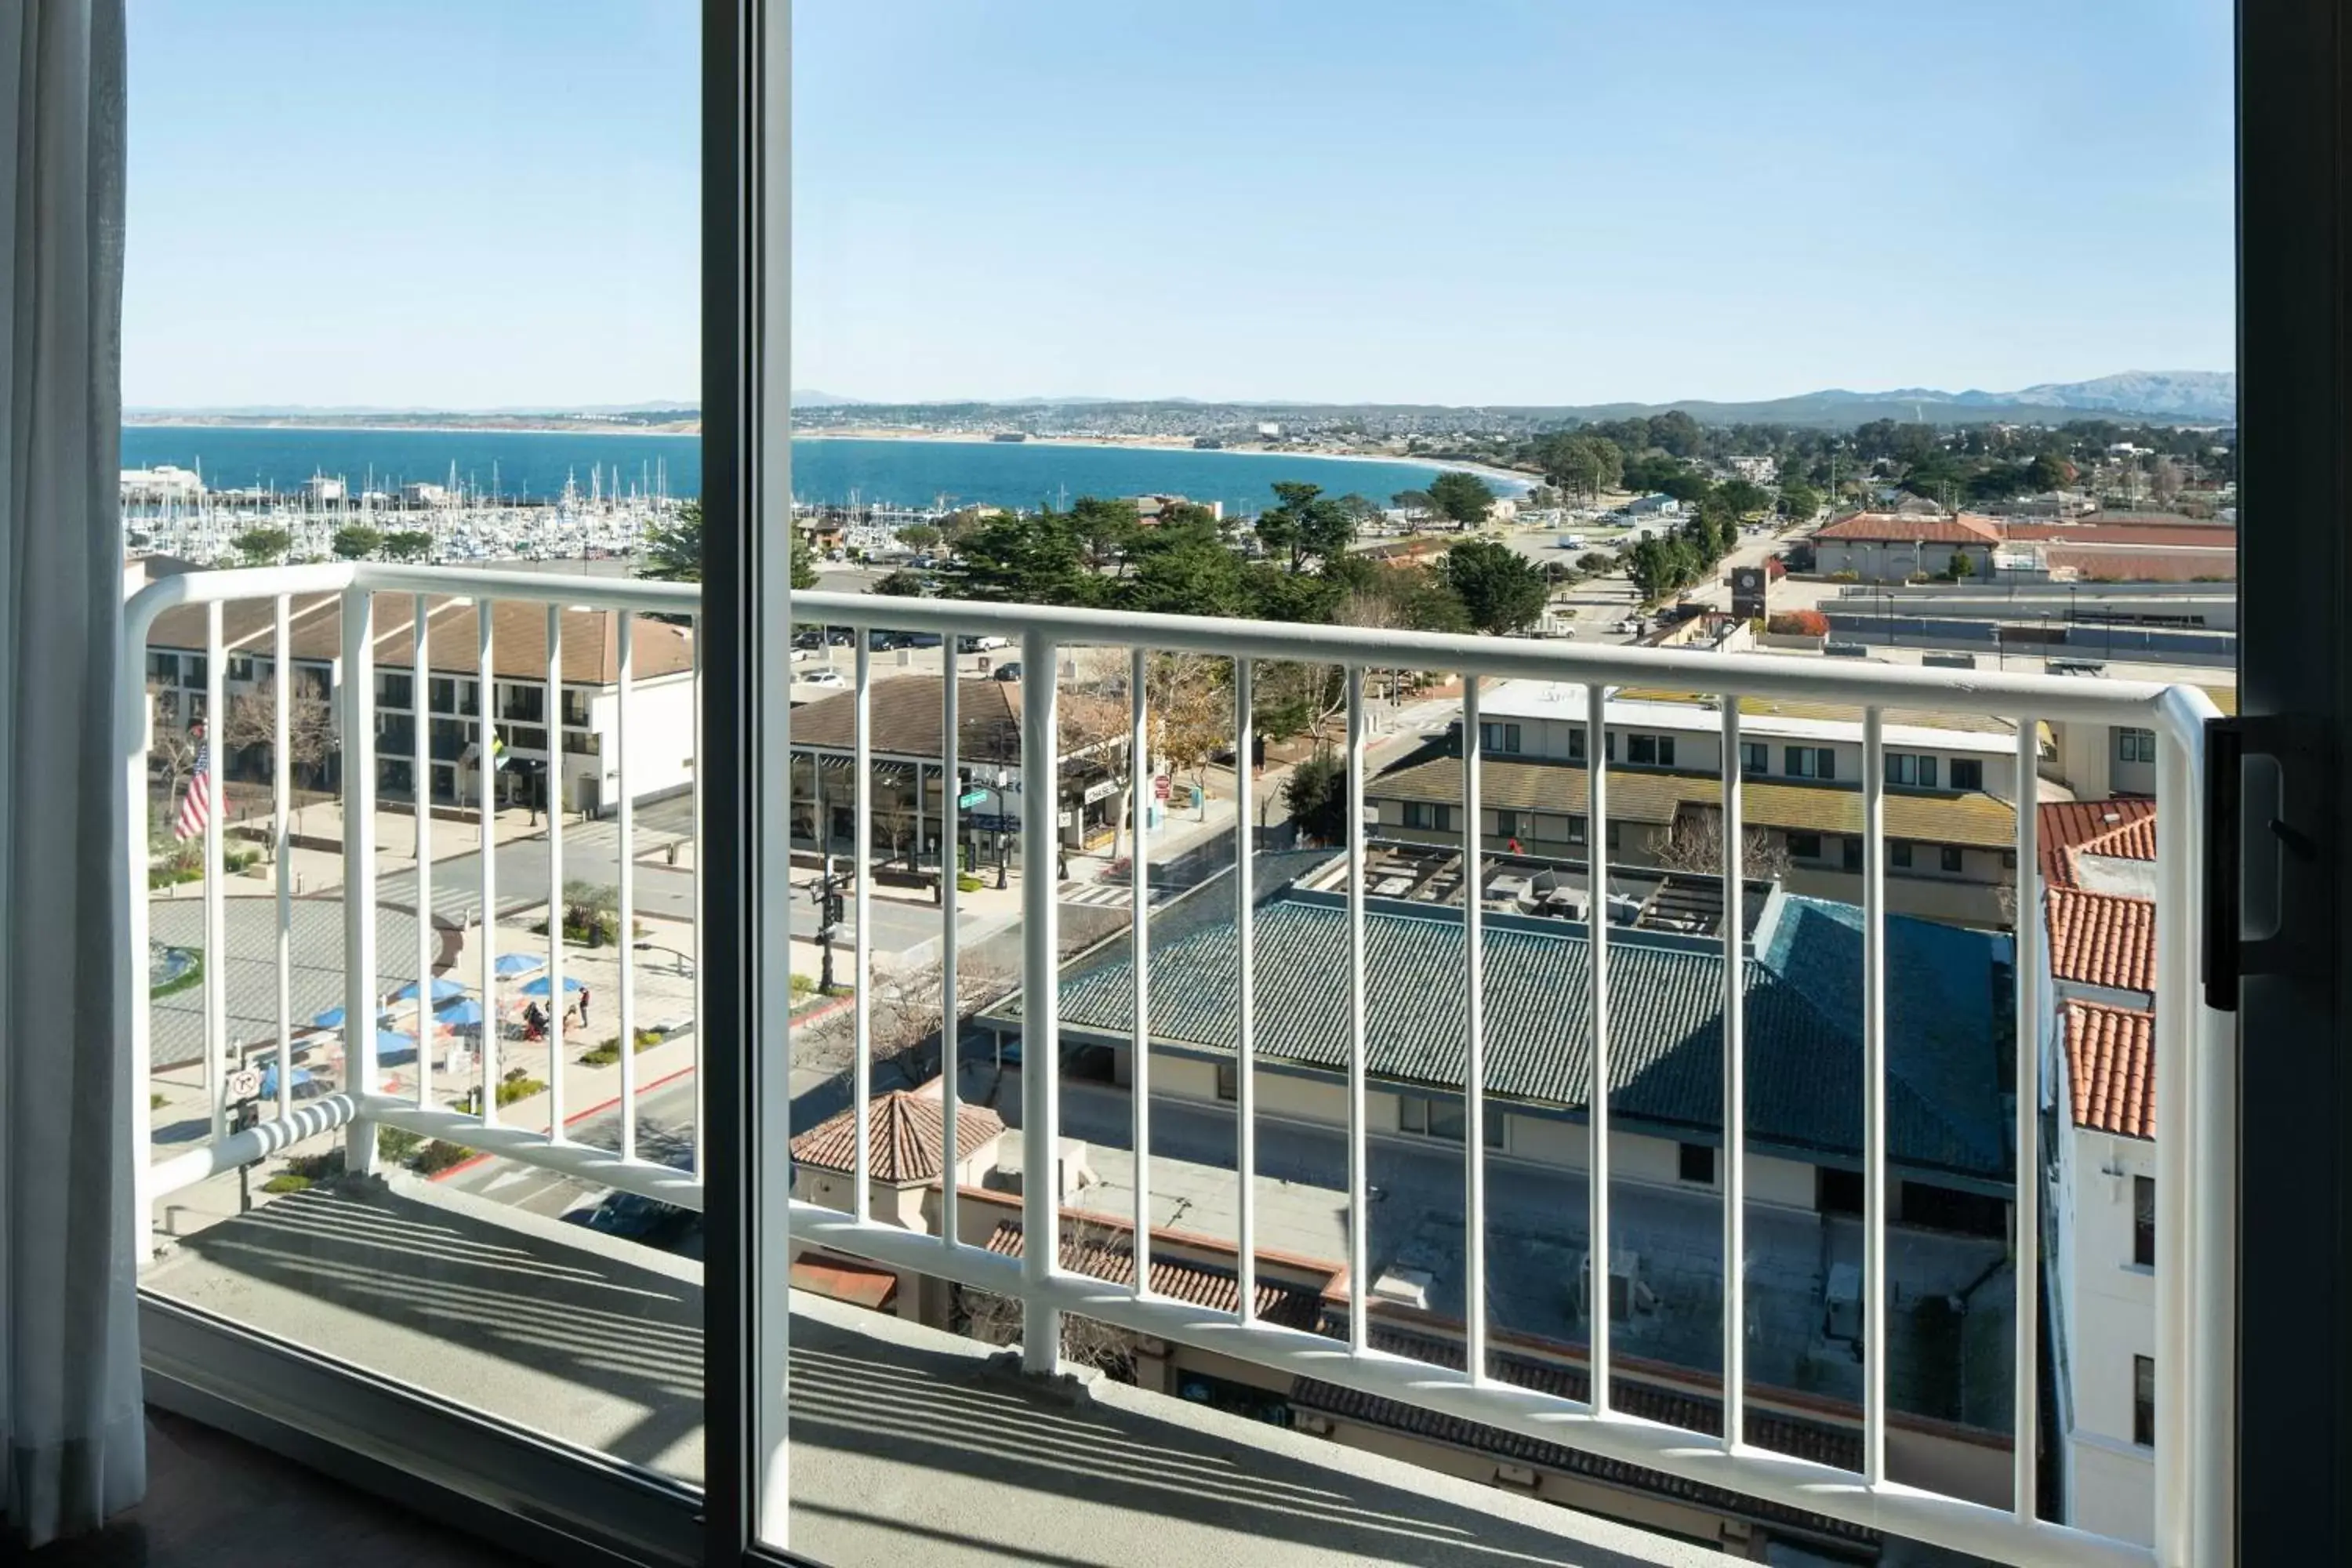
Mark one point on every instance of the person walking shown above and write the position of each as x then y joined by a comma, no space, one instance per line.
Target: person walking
584,1007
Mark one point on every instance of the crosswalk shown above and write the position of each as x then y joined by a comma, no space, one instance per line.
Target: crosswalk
1105,895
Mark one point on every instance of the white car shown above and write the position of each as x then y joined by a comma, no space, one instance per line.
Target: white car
823,678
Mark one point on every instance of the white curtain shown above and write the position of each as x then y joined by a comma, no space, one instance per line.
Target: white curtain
71,1432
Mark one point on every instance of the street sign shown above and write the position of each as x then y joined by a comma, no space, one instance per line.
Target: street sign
981,823
1161,785
244,1083
971,798
1101,789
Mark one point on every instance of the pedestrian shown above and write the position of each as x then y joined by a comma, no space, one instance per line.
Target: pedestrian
584,1007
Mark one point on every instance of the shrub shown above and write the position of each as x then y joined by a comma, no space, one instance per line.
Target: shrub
609,1052
440,1156
1918,577
801,986
397,1144
515,1086
1845,576
285,1182
967,883
1799,623
154,1103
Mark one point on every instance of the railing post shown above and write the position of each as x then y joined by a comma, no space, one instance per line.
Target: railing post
2177,1006
281,801
627,831
2025,1388
555,754
133,717
1873,1097
1041,1031
215,751
420,713
486,777
359,877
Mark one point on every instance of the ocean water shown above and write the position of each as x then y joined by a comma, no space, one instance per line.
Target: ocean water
527,463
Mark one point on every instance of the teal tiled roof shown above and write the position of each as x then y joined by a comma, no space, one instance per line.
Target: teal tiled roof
1803,1017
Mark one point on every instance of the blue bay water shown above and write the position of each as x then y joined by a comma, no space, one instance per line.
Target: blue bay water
528,463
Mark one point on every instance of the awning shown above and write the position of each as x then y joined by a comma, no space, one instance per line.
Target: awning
859,1284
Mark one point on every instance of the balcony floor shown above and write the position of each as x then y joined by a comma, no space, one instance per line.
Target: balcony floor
909,1444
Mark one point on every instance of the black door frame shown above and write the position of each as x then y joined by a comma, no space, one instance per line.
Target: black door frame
2294,1167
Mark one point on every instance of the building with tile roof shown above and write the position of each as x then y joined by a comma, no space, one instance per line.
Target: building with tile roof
1895,546
1947,996
584,761
906,1133
2096,863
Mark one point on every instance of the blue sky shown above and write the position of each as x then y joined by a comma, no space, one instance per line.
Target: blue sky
1528,200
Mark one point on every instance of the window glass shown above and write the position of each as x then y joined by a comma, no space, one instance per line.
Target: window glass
1954,858
2144,1401
1755,757
1968,773
2144,1221
1804,845
1695,1163
1898,853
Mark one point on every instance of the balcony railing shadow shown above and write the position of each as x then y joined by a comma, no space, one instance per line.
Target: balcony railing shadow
909,1444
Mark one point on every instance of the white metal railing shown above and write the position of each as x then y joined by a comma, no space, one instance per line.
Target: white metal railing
2194,1062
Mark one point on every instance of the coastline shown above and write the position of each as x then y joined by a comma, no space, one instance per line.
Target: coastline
1172,444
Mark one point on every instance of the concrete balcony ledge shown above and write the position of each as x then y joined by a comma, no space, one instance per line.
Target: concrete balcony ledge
909,1444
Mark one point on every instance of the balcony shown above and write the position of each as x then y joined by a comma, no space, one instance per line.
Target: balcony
1498,1284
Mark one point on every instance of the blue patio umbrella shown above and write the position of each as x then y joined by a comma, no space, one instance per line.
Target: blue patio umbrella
332,1018
539,986
513,963
464,1014
441,989
393,1051
300,1080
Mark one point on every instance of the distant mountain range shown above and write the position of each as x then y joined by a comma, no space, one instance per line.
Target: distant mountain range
2168,396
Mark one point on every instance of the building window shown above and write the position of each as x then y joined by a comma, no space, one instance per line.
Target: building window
1695,1163
1850,854
1420,814
2144,1401
1447,1119
575,707
1507,824
1228,1081
1577,831
1809,762
1967,774
394,689
240,666
2144,1221
526,704
2135,745
453,694
1499,737
1954,861
1576,744
1910,770
1553,829
192,671
1609,745
1898,854
1804,847
583,743
164,669
1755,757
1616,832
1837,1191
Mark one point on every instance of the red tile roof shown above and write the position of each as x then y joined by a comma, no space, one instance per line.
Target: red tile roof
906,1131
1905,529
2125,830
2217,566
2111,1059
2170,535
1106,1252
2103,939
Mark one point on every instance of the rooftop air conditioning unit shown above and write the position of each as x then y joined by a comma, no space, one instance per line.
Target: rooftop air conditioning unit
1626,1291
1404,1287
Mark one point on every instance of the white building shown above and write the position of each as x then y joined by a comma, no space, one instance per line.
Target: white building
2099,1067
1896,546
585,756
163,482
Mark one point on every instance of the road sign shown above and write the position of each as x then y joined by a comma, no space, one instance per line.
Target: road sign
1161,785
244,1083
971,798
993,823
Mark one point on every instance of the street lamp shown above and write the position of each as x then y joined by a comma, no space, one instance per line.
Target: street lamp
1003,778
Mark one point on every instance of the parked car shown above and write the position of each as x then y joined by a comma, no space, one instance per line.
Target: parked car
984,643
1008,671
823,678
1628,627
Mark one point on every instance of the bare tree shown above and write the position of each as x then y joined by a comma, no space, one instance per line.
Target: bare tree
903,1014
310,736
1189,711
1694,842
1088,1247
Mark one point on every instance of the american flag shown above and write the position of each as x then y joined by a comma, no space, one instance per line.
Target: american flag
196,804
